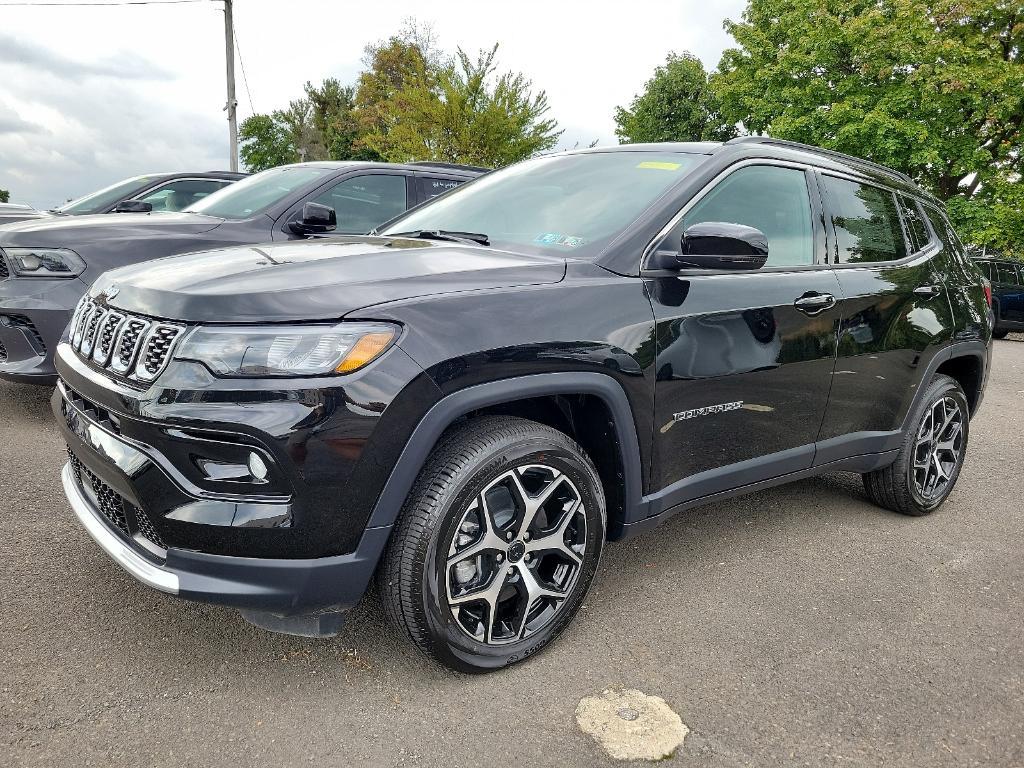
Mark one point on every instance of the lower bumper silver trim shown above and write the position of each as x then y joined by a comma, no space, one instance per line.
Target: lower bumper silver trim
123,555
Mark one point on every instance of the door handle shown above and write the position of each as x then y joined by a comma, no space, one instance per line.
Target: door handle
815,303
927,291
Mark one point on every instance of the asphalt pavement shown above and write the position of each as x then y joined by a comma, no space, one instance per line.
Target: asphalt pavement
795,626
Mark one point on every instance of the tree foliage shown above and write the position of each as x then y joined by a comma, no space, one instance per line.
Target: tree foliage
677,104
934,88
461,112
410,102
5,196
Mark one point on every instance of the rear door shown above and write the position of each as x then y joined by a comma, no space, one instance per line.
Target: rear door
896,315
744,359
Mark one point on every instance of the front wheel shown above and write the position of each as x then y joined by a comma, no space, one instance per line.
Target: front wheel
497,544
1000,333
929,462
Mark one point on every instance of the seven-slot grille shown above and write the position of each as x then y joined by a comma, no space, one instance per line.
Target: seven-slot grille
5,271
129,346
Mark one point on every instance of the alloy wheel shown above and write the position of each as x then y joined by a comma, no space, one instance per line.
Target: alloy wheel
938,449
516,554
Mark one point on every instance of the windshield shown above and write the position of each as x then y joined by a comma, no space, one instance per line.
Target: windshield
574,203
99,202
253,195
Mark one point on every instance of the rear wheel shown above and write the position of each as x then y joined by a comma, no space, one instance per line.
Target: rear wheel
497,544
929,462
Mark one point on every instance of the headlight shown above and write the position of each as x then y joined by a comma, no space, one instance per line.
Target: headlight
45,262
287,350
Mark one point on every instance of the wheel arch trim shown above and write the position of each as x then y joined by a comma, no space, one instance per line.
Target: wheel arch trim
443,413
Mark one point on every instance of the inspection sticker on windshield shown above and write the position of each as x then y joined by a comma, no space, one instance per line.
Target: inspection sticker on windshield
659,165
553,238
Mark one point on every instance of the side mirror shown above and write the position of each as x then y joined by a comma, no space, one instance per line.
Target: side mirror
315,219
721,245
133,206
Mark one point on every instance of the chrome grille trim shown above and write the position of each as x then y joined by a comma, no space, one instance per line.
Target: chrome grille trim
126,348
106,333
82,312
156,350
129,346
92,325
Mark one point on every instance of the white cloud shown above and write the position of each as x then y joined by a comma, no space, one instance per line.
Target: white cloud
92,95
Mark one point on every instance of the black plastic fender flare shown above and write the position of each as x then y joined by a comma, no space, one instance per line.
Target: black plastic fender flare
448,409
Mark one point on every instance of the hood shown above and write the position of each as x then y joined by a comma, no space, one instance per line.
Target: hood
314,279
72,231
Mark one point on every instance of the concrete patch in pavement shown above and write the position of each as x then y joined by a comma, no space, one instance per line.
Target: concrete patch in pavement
630,725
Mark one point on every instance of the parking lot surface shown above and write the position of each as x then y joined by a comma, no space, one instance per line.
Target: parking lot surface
796,626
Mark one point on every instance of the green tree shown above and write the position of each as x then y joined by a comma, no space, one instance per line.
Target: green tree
398,70
993,218
462,112
934,88
5,196
334,117
265,143
285,136
677,104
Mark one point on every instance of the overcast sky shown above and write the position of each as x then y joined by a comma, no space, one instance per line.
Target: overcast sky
91,95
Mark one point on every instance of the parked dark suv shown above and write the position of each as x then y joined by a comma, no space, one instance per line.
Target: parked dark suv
470,403
1007,278
46,266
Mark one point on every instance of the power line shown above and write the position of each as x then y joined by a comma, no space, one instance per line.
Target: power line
75,3
241,63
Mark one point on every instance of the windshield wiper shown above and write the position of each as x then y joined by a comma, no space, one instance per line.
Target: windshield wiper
448,235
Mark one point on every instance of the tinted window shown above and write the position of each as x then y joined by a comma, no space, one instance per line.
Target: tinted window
432,186
253,195
866,222
99,202
572,203
181,194
1006,273
916,228
773,200
364,202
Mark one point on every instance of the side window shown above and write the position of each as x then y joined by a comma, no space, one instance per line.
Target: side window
181,194
866,222
916,228
363,202
432,186
771,199
1006,273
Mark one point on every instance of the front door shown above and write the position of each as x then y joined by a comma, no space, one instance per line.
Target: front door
744,359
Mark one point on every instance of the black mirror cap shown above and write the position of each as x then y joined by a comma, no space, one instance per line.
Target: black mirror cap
133,206
315,219
722,245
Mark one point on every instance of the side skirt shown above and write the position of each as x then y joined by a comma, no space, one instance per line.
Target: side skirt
860,464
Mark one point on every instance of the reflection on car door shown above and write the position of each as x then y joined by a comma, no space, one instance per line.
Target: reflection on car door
744,359
897,313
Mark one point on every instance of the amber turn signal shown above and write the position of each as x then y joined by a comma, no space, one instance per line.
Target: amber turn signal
365,350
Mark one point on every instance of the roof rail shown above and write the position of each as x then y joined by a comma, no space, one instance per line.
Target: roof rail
451,166
820,151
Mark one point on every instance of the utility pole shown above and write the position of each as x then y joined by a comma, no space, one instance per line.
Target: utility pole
232,105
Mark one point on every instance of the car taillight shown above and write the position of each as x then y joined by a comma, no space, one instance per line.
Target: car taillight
988,291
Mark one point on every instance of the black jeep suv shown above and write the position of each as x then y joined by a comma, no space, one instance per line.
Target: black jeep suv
46,266
471,402
1007,280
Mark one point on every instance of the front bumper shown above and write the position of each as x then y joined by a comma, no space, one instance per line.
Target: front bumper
277,587
33,316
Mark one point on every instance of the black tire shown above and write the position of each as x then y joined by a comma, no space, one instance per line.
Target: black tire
416,577
894,487
1000,333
